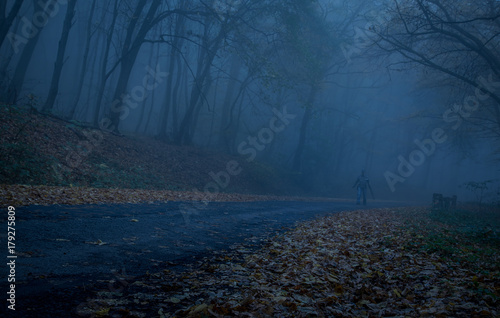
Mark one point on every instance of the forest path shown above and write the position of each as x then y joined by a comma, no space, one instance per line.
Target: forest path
66,247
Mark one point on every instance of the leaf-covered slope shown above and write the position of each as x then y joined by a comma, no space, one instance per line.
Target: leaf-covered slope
42,150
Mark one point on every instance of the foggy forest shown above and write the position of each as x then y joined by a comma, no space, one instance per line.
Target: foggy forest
286,99
361,84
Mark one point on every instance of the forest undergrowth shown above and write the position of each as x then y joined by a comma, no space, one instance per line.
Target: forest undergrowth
42,150
398,262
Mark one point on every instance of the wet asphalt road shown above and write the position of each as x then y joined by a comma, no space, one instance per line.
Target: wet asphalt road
63,246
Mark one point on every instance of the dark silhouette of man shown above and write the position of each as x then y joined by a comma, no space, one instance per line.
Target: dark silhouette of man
362,183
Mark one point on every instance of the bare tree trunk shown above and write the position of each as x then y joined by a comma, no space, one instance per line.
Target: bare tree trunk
211,132
87,112
297,158
182,75
143,106
196,116
146,126
84,62
170,94
204,64
225,124
237,122
103,77
231,129
6,21
129,54
15,86
5,77
371,150
340,149
58,65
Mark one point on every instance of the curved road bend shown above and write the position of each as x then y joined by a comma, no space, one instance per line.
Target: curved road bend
62,247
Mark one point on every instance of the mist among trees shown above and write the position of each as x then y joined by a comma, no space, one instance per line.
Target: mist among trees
408,90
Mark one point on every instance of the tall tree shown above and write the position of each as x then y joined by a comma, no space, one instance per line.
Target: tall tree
218,27
458,39
61,50
83,70
134,38
103,74
171,90
209,47
7,19
128,55
153,60
16,84
309,45
226,122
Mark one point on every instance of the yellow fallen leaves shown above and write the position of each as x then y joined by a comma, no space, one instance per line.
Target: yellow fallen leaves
351,264
98,242
198,309
174,300
396,292
22,195
102,312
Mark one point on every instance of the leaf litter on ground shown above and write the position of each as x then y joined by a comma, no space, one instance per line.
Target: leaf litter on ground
25,195
397,262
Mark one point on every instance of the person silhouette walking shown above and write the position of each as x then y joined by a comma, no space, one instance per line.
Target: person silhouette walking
362,184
